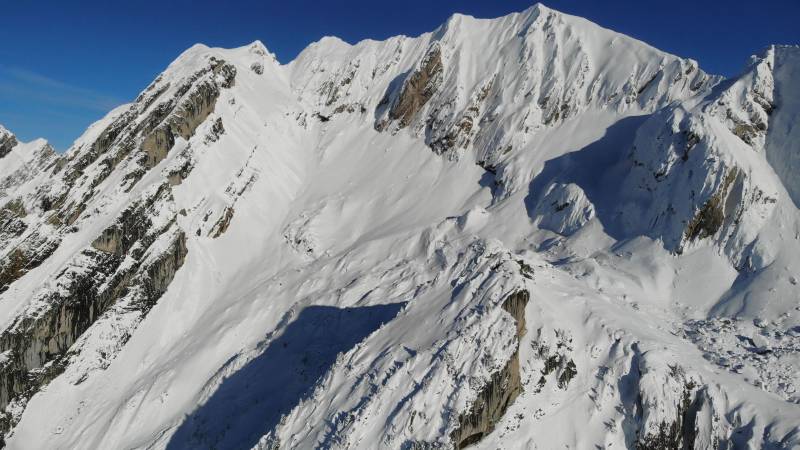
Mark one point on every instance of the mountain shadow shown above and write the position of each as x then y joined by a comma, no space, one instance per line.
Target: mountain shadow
251,401
598,169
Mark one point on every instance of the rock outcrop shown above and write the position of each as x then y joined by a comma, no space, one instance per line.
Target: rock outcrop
122,262
674,411
27,255
7,142
501,390
712,215
197,104
680,433
135,258
418,88
221,225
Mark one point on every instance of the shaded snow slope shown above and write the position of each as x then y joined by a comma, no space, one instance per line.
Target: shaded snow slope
522,232
782,139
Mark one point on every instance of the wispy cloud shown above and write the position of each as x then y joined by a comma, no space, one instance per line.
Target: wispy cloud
23,84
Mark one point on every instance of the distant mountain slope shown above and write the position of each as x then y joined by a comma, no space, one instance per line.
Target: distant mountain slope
522,232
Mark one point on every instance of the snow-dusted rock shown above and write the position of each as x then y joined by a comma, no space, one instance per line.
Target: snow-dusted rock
563,209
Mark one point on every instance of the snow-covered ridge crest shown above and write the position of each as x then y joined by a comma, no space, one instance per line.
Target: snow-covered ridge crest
545,67
21,161
712,161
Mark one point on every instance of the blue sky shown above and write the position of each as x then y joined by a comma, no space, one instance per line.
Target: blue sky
64,64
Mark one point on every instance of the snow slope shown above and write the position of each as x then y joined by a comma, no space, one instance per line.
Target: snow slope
522,232
21,161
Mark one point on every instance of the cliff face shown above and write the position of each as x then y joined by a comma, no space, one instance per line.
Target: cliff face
136,257
420,86
131,262
7,142
502,389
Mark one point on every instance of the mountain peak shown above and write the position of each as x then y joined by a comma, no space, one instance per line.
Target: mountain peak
259,50
258,47
329,43
539,8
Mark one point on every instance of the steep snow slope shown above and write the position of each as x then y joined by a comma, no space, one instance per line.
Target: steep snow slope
782,143
523,232
21,161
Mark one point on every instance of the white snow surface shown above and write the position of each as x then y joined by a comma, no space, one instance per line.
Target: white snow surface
354,299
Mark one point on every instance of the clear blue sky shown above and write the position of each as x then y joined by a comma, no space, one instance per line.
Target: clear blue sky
63,64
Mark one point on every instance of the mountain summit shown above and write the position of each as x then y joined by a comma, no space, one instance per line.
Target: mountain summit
522,232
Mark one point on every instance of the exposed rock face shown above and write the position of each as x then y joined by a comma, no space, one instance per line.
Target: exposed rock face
679,434
217,130
160,115
700,171
133,225
119,264
501,390
711,216
182,123
197,101
23,244
674,411
7,142
336,89
445,140
155,120
222,224
418,88
27,255
37,346
515,305
555,356
11,215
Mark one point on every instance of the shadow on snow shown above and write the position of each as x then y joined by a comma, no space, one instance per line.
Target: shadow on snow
251,401
598,169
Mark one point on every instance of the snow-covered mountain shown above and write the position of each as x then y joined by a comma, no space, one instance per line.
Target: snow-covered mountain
522,232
